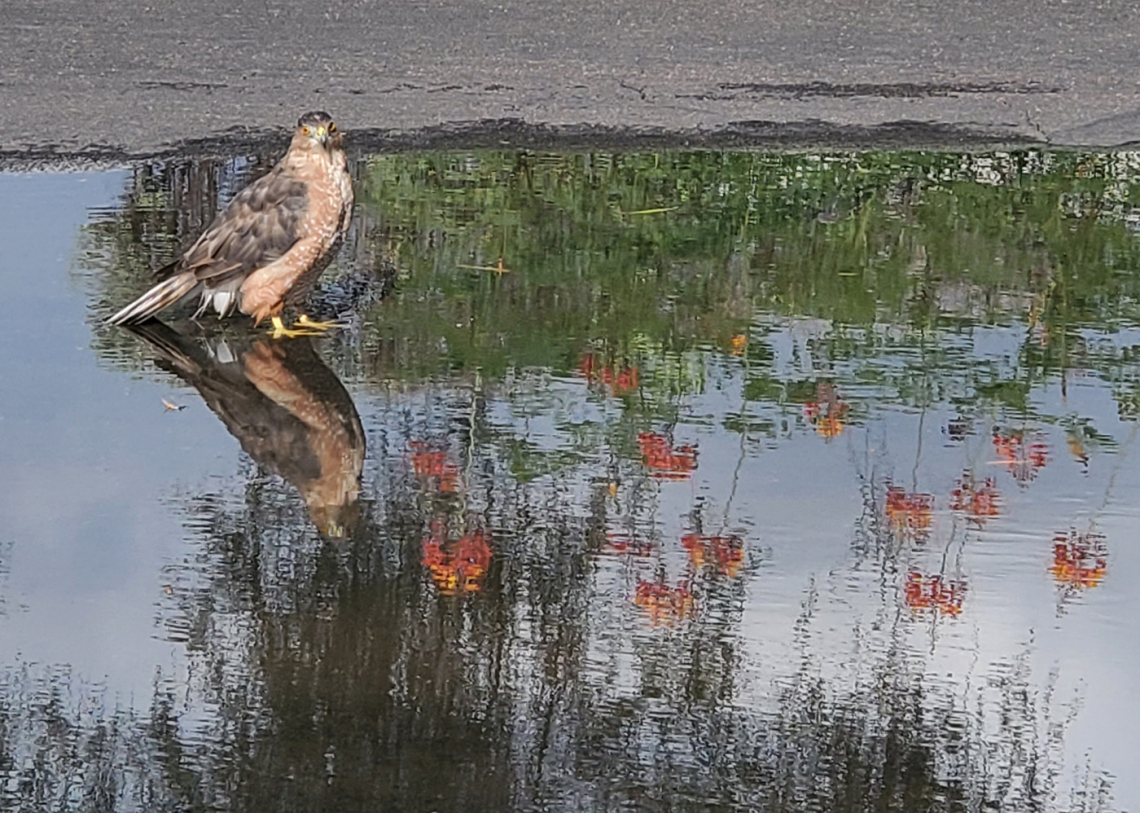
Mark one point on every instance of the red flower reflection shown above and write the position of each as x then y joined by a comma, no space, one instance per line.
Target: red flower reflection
977,502
943,596
664,604
664,461
827,413
910,513
430,464
622,542
616,382
459,566
724,553
1023,457
1080,561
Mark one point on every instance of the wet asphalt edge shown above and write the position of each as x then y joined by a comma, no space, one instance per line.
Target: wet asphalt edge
510,133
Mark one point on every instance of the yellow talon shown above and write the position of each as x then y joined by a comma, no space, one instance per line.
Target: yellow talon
308,324
281,332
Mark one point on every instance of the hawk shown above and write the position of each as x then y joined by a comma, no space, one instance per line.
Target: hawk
288,411
267,248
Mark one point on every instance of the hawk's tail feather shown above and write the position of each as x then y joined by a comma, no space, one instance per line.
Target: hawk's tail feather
163,295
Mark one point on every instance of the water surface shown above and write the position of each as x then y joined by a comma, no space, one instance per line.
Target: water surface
676,481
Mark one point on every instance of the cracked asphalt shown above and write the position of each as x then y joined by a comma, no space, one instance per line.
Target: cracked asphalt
119,78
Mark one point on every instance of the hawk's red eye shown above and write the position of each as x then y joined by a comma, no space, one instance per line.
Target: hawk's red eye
305,131
332,127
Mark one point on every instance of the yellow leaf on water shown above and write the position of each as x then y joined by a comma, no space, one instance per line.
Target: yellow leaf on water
498,269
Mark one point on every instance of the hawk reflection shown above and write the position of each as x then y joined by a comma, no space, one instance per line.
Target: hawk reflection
289,412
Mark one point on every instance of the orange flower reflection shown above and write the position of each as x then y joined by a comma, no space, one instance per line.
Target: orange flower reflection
738,344
1077,448
430,464
665,605
911,513
724,553
1080,561
977,502
1023,458
459,566
665,462
934,593
616,382
827,413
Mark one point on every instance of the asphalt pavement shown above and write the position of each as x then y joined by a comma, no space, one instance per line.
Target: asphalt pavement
121,78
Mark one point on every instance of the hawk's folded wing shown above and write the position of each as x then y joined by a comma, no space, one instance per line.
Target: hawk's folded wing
256,228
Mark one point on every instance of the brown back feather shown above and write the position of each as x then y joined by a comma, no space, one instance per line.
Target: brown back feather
256,228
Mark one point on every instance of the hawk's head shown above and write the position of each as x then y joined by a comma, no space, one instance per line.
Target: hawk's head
316,130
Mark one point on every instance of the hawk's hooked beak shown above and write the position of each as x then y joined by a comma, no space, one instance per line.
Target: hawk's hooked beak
323,136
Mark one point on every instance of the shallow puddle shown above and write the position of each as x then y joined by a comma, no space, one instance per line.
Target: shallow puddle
678,481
